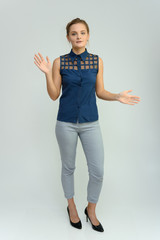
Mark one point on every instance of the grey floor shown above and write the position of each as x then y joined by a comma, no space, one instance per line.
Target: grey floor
44,223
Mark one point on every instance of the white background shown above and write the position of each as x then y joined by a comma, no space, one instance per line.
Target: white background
126,35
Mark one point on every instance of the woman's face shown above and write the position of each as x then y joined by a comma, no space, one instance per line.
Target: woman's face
78,35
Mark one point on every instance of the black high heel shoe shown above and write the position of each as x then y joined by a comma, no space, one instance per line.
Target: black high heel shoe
98,228
77,224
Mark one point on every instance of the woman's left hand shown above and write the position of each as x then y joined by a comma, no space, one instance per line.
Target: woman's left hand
124,97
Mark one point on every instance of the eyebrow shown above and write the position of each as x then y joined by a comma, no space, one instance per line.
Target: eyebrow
75,31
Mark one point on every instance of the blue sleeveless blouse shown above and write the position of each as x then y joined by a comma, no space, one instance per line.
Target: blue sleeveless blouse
78,99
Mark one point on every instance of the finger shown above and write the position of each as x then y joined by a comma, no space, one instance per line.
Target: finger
135,96
129,90
48,59
128,103
41,56
134,102
37,58
38,62
135,99
132,97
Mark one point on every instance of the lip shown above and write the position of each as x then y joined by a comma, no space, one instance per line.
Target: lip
78,41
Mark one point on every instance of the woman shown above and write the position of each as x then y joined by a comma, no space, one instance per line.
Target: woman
80,74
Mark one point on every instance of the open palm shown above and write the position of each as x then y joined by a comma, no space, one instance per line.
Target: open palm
42,64
124,97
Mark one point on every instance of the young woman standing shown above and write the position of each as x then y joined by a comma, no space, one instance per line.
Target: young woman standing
80,74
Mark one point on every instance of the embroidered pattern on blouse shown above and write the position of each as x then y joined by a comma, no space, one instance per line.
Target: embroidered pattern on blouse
91,62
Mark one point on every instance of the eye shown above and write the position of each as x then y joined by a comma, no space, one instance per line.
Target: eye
75,33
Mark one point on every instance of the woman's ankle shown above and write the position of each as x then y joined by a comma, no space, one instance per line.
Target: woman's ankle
71,202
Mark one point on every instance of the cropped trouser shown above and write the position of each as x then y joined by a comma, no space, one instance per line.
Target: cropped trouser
91,138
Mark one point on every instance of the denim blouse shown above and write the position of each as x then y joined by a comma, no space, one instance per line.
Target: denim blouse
78,99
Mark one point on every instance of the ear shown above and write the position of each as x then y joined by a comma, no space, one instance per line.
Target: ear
67,37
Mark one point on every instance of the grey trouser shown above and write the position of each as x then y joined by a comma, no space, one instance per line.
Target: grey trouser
91,138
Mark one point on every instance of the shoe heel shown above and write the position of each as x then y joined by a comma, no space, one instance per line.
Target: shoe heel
95,227
77,224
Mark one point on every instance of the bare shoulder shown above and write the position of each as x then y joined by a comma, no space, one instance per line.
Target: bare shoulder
56,61
100,65
56,74
100,61
99,79
56,65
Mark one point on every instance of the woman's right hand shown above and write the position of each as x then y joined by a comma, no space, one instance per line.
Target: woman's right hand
44,66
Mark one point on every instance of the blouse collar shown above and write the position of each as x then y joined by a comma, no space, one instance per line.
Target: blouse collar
83,55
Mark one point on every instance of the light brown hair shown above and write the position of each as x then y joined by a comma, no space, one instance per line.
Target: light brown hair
76,20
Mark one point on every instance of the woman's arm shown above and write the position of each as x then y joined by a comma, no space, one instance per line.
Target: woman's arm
101,93
53,79
52,74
